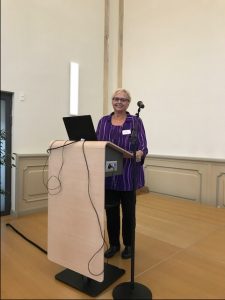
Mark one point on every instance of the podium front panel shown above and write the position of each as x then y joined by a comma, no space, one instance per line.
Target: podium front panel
76,207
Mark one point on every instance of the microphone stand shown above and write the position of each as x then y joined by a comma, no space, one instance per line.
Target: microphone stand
132,289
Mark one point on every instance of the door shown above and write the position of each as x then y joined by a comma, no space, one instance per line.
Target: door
6,126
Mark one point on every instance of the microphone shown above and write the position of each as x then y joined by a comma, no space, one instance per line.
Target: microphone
140,104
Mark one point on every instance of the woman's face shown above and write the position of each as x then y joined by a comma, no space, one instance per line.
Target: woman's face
120,102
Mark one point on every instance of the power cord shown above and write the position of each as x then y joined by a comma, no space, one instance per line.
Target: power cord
25,238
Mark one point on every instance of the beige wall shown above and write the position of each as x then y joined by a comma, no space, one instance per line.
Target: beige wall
197,180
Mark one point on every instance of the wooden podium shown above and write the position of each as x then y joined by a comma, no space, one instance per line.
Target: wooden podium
76,183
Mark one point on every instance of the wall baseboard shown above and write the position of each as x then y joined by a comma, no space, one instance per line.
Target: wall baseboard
31,193
199,180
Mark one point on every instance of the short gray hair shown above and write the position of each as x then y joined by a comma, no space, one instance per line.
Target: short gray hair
124,91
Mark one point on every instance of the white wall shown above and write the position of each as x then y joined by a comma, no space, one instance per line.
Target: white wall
39,39
174,61
113,48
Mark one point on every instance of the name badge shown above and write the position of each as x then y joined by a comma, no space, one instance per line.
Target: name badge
127,131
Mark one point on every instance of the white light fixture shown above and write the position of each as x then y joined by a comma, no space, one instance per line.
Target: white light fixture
74,88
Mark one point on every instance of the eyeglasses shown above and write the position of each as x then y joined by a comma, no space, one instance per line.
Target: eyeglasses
122,100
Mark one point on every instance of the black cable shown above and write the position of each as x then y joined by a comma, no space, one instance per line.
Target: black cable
60,186
46,184
25,238
64,145
99,224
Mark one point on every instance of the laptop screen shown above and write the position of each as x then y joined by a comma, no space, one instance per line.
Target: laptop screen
80,128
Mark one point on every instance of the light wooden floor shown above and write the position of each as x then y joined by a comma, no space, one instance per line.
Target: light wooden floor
180,254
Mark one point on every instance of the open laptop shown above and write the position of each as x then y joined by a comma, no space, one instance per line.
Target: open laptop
80,128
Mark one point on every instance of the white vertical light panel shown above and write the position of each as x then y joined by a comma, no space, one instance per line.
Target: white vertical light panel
74,88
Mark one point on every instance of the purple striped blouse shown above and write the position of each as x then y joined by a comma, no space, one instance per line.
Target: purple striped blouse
121,136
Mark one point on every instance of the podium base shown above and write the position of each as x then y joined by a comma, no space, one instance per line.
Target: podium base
87,285
126,291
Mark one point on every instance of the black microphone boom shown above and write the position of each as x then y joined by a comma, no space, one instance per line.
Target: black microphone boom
140,104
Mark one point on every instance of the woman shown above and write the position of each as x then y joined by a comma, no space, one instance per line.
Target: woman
118,128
